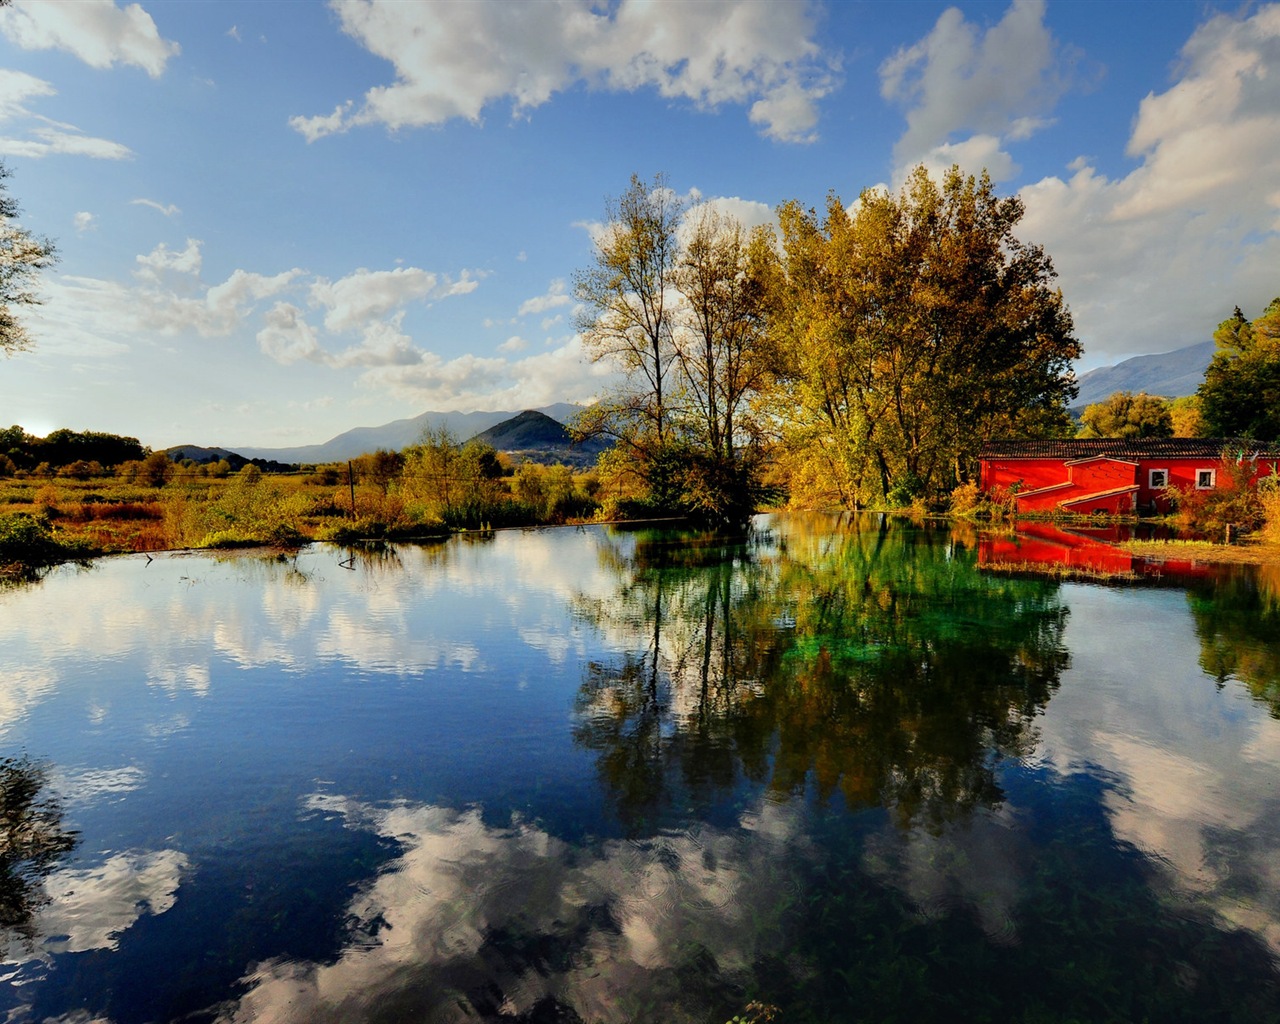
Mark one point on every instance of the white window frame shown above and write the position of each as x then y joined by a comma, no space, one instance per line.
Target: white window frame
1151,479
1213,479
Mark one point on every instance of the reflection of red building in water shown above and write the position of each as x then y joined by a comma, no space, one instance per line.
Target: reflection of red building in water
1084,552
1115,476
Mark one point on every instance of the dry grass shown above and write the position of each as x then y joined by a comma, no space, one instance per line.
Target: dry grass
1059,571
1250,551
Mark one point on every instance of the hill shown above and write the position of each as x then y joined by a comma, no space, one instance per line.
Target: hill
536,437
396,435
1171,374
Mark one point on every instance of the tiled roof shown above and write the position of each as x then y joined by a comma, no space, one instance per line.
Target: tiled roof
1122,448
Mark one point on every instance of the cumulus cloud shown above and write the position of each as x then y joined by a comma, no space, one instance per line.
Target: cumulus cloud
96,31
559,374
557,295
352,300
162,260
1153,260
454,60
287,337
959,80
84,221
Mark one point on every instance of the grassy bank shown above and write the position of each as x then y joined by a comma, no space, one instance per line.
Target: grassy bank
49,519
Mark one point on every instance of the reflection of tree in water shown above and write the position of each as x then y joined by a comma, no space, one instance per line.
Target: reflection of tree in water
32,841
873,661
1238,623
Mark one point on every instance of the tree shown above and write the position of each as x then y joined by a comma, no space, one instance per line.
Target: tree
22,257
679,304
1240,395
1125,414
724,279
1185,414
911,329
627,318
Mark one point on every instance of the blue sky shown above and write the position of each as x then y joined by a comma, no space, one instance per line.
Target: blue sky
278,221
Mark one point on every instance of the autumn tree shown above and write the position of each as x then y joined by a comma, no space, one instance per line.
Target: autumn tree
626,318
912,328
678,304
1125,414
22,257
1184,411
1240,395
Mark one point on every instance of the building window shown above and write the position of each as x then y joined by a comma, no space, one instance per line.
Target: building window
1204,479
1158,479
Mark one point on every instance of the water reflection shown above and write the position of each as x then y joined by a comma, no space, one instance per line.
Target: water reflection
33,839
645,776
873,661
1238,623
473,921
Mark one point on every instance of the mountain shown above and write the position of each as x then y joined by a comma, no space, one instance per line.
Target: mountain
1171,374
397,434
536,437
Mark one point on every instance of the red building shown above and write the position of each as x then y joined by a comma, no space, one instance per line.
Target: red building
1113,475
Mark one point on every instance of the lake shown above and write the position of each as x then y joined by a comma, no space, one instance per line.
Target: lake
830,770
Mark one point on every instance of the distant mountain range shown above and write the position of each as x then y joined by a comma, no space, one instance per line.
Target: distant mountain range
1170,374
390,436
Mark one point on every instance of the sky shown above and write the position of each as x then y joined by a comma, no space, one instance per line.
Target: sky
280,221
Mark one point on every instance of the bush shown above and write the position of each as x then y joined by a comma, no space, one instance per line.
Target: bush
29,539
1233,503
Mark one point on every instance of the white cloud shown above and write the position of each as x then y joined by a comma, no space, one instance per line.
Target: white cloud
353,300
59,140
162,261
557,295
383,343
747,212
16,87
96,31
561,374
84,221
1153,260
957,80
513,344
167,209
287,337
453,60
49,137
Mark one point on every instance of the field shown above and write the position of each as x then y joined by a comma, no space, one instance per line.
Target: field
52,518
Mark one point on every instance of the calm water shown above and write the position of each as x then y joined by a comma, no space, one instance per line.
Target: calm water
586,775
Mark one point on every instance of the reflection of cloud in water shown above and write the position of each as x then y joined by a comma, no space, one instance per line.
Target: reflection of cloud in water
1215,842
90,907
91,785
515,916
381,645
981,865
176,678
20,689
1201,803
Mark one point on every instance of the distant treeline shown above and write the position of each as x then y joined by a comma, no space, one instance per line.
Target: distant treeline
92,452
63,447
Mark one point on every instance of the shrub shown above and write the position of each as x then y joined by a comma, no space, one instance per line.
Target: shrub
1233,503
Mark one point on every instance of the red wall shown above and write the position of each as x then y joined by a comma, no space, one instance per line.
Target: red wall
1103,474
